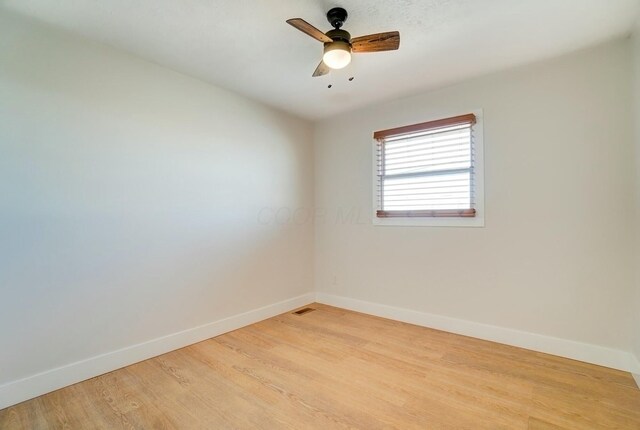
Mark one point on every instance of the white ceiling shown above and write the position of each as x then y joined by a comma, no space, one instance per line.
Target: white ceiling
246,46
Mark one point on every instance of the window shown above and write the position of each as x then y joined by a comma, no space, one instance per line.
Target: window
429,173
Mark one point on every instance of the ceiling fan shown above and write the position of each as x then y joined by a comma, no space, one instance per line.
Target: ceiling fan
338,44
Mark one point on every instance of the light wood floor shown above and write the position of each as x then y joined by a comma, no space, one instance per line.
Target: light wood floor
334,369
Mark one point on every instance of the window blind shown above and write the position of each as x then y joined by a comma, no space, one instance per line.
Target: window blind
426,170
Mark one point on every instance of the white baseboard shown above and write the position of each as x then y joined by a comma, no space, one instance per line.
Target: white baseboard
589,353
636,366
32,386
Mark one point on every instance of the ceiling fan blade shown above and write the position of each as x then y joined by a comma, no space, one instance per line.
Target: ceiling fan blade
309,29
321,70
388,41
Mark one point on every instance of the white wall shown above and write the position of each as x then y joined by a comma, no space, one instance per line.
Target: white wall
130,198
636,92
555,257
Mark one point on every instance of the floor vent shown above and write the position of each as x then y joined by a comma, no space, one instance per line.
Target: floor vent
303,311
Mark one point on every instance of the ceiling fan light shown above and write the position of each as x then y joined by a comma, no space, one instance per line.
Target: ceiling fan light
337,55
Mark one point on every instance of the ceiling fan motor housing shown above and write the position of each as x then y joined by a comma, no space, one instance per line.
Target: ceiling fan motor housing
339,36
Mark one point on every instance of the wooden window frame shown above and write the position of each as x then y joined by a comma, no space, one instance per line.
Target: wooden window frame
469,118
471,217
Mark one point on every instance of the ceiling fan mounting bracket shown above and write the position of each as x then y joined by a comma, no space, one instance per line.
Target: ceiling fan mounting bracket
337,17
